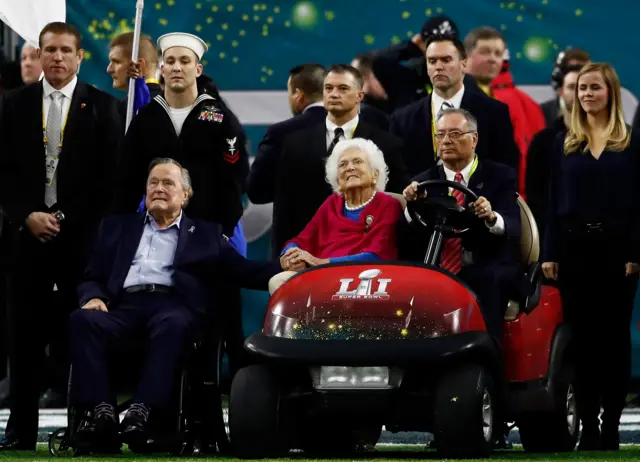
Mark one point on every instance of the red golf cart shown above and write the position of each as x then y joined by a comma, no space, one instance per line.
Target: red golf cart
348,348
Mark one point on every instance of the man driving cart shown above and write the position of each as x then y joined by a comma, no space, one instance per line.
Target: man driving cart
483,254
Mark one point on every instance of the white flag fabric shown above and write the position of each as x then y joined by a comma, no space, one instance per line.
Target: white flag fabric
28,17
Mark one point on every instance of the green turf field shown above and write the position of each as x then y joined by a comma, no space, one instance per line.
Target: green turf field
382,454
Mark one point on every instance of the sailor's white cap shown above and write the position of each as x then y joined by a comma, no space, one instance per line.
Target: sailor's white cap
181,39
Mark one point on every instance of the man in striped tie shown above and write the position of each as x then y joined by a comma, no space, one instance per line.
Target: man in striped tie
486,257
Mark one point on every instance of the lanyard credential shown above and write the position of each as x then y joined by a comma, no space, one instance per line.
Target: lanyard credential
433,131
474,166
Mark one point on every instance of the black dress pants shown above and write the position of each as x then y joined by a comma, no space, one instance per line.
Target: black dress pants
492,284
597,300
35,321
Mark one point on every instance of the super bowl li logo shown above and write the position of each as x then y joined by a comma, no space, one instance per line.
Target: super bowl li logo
364,288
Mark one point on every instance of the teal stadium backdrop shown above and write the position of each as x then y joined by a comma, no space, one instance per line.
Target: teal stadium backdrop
253,45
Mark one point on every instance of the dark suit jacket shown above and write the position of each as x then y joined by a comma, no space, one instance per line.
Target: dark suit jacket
495,131
260,184
497,183
87,162
300,185
375,116
539,161
261,181
202,256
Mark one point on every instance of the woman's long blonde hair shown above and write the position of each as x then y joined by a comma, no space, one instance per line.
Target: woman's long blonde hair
618,135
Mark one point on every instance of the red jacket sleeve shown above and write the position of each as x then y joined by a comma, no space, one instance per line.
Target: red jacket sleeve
308,238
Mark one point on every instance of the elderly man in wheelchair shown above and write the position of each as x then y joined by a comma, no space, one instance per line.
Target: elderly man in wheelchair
147,285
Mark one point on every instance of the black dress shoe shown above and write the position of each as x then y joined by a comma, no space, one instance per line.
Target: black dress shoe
14,444
589,439
201,447
610,439
102,429
134,424
502,442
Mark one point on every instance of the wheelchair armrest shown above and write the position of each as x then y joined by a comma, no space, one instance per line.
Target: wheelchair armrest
534,280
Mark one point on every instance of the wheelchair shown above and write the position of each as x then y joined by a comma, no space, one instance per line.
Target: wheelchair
196,425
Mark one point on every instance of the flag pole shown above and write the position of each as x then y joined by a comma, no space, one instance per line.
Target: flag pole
134,57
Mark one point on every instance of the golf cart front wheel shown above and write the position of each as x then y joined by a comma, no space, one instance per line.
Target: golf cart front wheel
465,412
255,424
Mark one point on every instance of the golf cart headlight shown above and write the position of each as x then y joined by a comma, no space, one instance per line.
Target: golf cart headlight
452,321
345,377
282,326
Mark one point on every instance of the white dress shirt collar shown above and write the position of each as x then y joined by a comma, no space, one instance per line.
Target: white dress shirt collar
466,172
348,127
455,100
67,90
149,219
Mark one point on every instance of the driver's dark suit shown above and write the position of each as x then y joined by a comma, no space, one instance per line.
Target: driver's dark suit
490,260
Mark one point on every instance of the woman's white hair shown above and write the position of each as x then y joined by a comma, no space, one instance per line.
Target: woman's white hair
374,156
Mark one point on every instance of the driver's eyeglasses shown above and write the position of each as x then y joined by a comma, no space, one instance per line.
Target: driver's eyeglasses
453,136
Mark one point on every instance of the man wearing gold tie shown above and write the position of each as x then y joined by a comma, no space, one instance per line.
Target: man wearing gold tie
60,140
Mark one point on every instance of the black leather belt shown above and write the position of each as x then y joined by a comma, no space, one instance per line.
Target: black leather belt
149,288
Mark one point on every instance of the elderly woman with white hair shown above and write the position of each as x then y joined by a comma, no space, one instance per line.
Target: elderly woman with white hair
358,221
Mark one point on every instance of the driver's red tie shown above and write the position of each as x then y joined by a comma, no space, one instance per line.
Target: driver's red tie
452,250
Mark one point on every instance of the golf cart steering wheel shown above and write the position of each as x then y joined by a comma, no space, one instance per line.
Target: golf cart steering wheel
443,212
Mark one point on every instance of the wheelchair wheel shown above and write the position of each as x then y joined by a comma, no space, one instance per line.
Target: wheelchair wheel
59,444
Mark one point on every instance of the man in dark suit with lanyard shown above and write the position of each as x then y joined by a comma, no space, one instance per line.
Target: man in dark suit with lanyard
486,258
300,185
415,123
56,206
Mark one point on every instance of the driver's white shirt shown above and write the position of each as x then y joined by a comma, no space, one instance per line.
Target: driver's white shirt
498,226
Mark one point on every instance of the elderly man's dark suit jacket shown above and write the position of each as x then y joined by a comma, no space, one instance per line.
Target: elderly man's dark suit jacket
202,255
495,132
300,185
